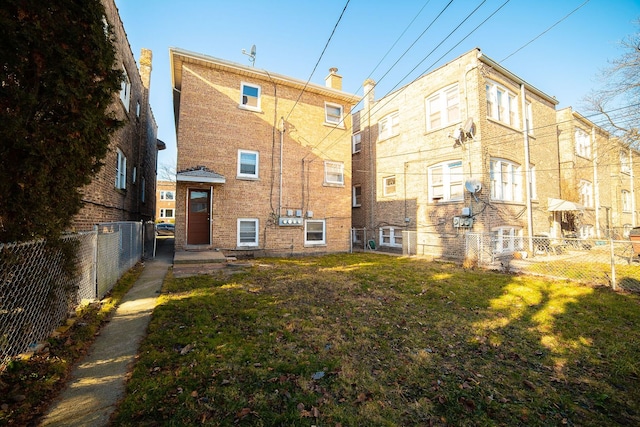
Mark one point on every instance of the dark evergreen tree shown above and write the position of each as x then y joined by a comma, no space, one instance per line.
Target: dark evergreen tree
57,81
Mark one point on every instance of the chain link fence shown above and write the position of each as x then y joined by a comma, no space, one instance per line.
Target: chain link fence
36,291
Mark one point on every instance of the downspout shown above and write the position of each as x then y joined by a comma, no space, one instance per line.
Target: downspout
527,169
282,131
595,179
632,189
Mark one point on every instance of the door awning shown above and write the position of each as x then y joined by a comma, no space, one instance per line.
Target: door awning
200,174
559,205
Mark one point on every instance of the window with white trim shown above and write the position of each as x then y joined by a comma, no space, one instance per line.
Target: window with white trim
167,213
121,170
533,194
333,114
248,232
506,239
248,164
356,143
583,143
391,236
443,108
625,164
626,200
389,185
125,89
357,196
250,96
445,182
528,116
333,173
502,104
389,126
314,232
506,180
167,195
586,193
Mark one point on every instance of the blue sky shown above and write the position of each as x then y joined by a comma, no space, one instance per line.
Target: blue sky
390,42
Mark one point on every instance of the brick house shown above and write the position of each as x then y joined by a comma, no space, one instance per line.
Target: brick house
467,147
166,201
264,160
124,188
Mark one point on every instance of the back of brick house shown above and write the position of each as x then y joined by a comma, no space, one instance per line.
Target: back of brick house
124,189
264,160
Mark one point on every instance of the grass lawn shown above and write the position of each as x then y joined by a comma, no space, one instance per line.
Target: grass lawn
374,340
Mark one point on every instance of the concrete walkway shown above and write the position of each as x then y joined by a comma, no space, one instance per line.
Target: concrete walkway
98,383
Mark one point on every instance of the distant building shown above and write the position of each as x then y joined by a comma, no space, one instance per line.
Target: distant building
264,160
166,201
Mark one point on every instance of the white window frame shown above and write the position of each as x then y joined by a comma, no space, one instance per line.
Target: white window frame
244,103
528,115
125,89
502,104
586,193
506,239
448,181
506,180
389,126
356,143
333,173
313,242
330,118
244,175
387,188
533,192
391,237
163,213
164,195
356,196
583,143
625,163
625,196
445,105
121,170
255,242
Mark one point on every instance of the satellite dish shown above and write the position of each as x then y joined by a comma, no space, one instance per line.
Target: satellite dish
473,186
469,128
253,50
251,55
457,134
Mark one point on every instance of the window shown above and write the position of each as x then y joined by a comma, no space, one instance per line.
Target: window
506,239
125,89
121,170
167,213
528,117
443,108
533,194
506,181
357,196
248,163
356,143
502,105
389,185
625,164
586,231
247,232
583,143
586,193
334,173
314,232
626,201
390,236
143,190
389,126
167,195
445,182
333,114
137,108
250,97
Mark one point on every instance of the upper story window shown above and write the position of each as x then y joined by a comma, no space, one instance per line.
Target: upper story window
533,194
248,164
125,89
445,182
247,232
389,126
583,143
250,97
625,163
334,173
528,116
389,185
333,114
586,193
506,180
121,170
626,201
356,143
167,195
443,108
357,196
502,105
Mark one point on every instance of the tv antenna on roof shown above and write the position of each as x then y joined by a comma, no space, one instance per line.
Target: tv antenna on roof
251,55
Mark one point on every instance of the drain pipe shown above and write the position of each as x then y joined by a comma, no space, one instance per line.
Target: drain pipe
282,130
527,167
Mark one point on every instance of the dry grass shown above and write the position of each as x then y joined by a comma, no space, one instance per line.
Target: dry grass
367,339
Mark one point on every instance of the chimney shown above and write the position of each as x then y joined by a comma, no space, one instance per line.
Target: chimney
369,94
333,80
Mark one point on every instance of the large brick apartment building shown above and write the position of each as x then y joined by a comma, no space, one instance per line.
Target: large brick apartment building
124,189
264,160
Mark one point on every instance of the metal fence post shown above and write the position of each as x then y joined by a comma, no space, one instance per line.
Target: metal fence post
613,267
94,266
